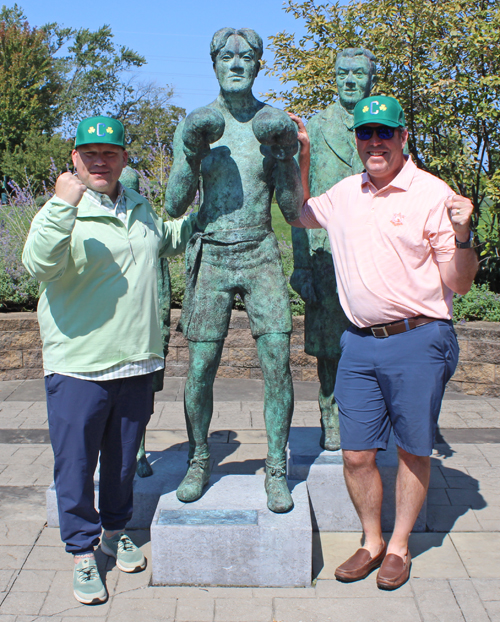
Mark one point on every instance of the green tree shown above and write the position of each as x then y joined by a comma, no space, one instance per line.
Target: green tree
38,158
91,72
29,82
52,77
150,120
440,59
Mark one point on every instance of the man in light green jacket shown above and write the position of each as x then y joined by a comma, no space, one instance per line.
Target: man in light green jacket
95,247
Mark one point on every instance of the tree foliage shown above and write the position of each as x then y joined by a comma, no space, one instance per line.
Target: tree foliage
29,83
440,59
37,158
52,77
150,120
91,72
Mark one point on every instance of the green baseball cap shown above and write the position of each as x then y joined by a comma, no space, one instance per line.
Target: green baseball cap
379,109
100,130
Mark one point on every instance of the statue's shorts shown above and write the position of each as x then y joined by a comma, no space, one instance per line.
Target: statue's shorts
251,269
396,383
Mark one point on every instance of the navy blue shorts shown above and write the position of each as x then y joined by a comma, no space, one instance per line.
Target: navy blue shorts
397,382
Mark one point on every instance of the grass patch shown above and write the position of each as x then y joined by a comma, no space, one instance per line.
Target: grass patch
281,228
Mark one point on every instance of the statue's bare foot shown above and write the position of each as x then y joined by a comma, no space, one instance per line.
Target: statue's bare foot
330,435
143,467
195,480
279,499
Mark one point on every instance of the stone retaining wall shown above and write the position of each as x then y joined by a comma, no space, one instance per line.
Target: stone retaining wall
478,371
20,347
239,356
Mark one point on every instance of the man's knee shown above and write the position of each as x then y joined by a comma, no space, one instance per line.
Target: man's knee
359,460
411,460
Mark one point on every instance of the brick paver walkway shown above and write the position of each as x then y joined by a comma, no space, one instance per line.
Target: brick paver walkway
456,568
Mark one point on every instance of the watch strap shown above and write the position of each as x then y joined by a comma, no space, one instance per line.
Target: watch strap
467,244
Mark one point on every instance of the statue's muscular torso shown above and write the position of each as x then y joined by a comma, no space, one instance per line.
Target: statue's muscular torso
237,179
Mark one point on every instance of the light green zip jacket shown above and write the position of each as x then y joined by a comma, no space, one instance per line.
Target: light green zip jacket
99,294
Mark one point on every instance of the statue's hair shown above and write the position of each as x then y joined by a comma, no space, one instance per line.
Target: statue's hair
352,52
220,38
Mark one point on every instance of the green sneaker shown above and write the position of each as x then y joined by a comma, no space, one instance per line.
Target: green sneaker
87,585
129,558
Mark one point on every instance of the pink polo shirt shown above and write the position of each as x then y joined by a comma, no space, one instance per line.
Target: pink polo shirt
386,245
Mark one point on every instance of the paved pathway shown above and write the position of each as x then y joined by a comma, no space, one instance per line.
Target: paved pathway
456,568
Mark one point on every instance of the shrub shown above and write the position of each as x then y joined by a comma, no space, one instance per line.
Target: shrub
18,290
478,304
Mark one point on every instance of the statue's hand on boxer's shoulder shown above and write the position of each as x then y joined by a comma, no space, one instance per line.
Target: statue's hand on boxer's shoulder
70,189
202,127
274,128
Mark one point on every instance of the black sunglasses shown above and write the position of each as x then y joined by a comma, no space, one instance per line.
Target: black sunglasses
383,132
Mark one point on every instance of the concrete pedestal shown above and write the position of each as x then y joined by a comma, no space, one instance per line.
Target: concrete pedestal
331,506
230,538
169,467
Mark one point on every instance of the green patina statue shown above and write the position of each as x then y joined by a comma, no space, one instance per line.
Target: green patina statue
333,157
237,151
130,179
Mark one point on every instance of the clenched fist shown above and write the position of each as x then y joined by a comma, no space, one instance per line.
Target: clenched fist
274,128
70,189
459,211
202,127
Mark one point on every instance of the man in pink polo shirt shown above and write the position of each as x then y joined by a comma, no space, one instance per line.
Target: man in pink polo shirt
401,246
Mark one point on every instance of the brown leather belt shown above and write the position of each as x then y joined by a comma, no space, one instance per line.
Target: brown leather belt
394,328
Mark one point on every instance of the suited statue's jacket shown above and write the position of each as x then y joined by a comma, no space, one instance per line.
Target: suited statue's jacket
333,157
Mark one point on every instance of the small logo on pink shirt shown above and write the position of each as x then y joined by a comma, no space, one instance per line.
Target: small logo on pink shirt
397,219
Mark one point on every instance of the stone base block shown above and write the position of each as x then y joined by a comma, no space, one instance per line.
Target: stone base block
230,538
331,506
169,467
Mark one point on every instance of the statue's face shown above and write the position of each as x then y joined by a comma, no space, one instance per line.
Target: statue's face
353,80
236,66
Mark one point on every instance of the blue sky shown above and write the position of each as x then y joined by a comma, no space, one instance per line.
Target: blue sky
174,36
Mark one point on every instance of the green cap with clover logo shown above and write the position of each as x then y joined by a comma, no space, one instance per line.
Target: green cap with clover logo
100,130
379,109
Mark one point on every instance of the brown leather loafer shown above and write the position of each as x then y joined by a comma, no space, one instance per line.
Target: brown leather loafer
394,572
359,565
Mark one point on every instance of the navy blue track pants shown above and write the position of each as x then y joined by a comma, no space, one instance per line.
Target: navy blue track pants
87,417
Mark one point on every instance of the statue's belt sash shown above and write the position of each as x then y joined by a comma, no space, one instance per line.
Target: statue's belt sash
194,252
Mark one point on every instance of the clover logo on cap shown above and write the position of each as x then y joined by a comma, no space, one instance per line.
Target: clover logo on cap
379,109
100,130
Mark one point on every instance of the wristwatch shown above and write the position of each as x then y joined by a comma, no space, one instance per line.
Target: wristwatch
467,244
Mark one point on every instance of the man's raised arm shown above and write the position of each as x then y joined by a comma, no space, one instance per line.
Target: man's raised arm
458,274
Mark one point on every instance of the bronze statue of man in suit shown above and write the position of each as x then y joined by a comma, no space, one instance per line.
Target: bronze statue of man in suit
333,157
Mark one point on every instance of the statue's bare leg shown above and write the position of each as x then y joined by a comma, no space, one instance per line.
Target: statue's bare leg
274,357
327,372
204,359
